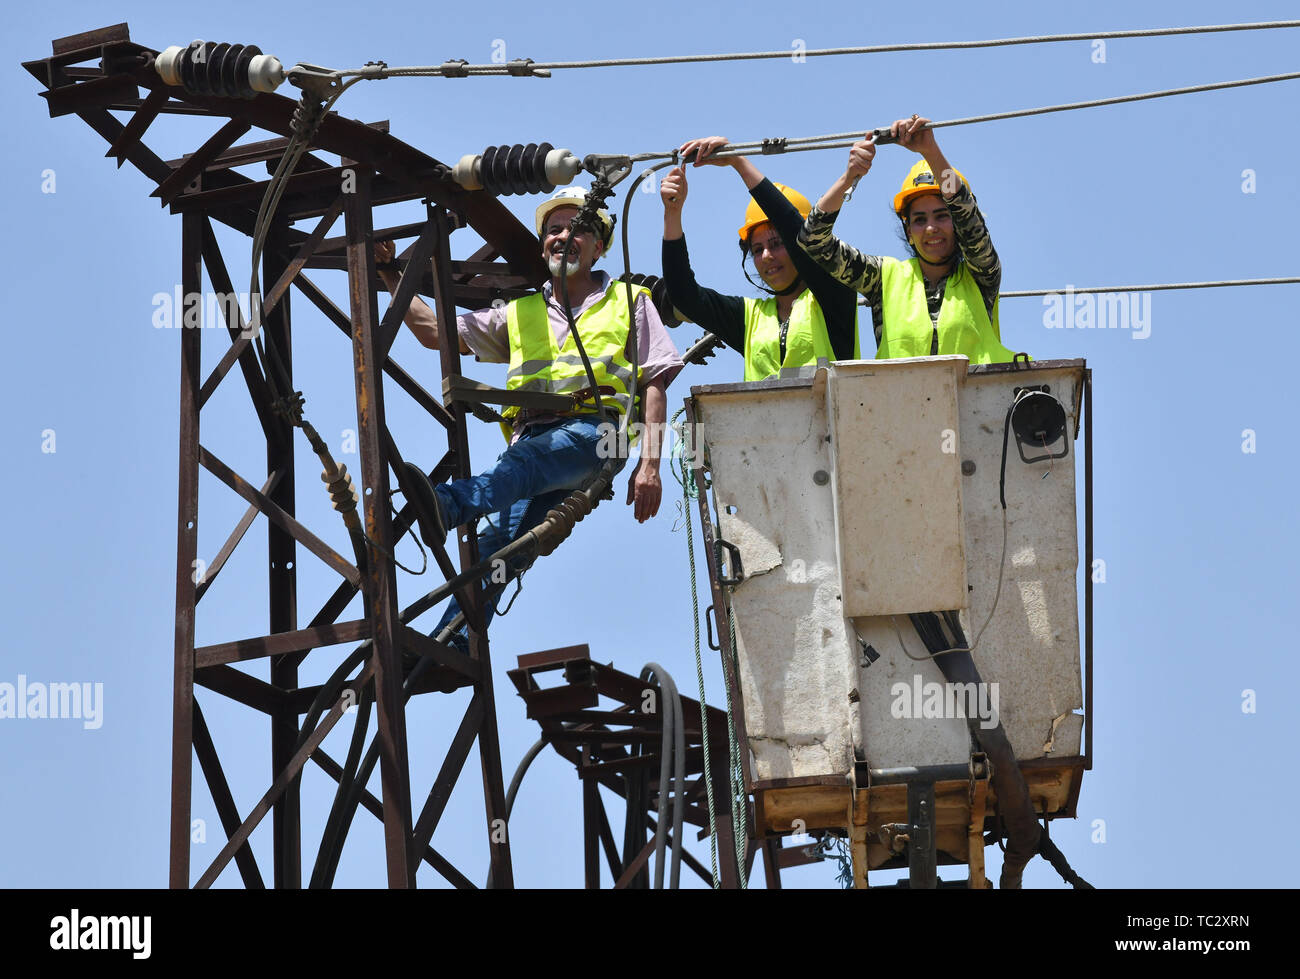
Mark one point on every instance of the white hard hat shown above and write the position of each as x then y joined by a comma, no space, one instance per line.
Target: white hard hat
573,197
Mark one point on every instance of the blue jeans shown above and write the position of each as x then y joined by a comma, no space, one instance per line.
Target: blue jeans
529,478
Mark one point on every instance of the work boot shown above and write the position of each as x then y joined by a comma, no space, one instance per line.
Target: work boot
428,511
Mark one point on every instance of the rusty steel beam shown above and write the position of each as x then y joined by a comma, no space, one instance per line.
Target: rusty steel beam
305,251
188,172
404,380
262,151
379,582
212,570
281,643
136,126
224,802
281,572
448,774
187,536
282,781
140,156
591,813
331,610
458,440
442,654
90,40
373,806
94,93
277,515
258,391
240,687
463,594
401,298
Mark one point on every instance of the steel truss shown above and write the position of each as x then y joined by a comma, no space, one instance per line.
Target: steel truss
203,187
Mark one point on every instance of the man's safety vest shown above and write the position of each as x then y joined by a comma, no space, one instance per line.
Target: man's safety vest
538,363
806,342
964,324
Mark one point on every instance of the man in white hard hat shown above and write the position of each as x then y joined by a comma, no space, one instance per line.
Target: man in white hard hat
549,454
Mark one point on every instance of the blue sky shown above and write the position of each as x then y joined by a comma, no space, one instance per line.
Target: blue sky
1198,535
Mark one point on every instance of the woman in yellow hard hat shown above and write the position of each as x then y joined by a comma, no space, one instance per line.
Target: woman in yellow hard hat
944,299
808,317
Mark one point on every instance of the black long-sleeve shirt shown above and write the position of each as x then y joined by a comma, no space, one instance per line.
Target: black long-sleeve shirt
724,316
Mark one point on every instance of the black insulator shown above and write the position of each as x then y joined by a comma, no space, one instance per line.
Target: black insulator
209,78
485,170
541,185
187,70
516,169
497,170
514,174
234,72
222,70
527,169
218,68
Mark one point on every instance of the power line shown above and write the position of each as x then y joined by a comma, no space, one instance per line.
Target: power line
1152,288
840,140
1157,287
526,67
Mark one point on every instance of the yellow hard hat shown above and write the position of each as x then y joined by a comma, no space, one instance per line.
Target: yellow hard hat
754,215
920,180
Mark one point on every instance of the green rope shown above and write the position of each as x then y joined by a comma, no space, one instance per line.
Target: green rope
739,797
689,492
736,772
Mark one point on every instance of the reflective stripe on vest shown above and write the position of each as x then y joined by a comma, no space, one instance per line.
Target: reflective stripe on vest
807,344
964,324
538,363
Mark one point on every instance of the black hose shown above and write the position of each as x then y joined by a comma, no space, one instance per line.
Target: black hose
327,855
522,769
673,745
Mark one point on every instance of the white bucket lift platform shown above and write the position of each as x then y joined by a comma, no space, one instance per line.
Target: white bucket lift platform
846,502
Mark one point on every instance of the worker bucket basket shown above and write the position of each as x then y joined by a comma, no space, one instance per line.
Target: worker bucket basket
871,528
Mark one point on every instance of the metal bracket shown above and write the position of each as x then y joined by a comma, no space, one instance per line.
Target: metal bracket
921,857
314,80
608,167
709,614
737,567
523,68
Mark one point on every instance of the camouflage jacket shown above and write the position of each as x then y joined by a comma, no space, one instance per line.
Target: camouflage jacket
862,272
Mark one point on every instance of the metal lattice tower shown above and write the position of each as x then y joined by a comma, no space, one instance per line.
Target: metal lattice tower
205,188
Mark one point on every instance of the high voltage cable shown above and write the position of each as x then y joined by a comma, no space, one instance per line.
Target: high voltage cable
839,140
1152,288
526,67
1157,287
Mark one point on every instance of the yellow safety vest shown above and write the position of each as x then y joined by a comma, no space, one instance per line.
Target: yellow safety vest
807,343
538,363
964,323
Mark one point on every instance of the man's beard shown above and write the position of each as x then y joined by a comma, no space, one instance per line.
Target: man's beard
554,260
